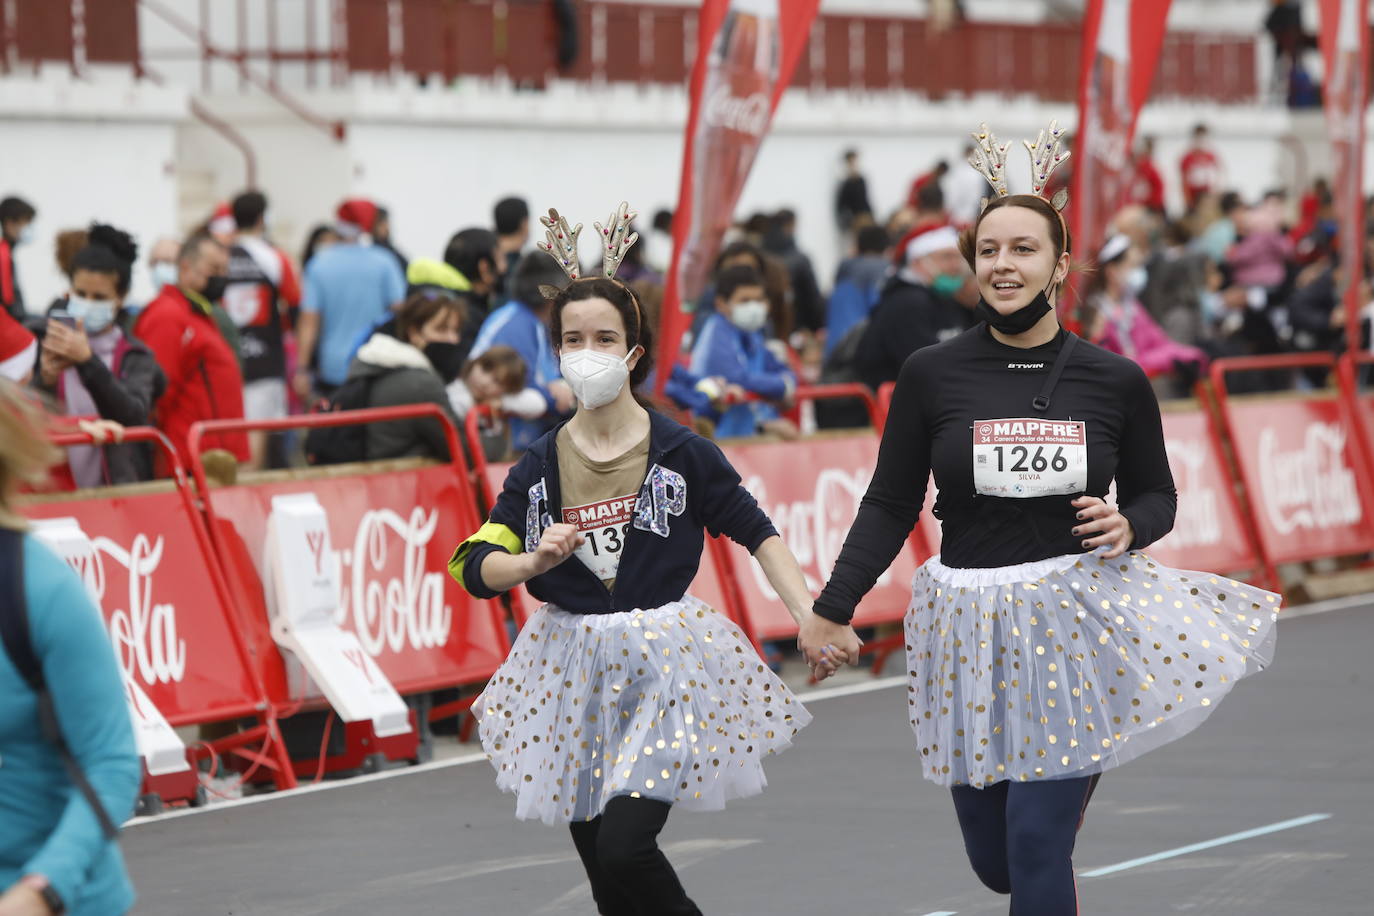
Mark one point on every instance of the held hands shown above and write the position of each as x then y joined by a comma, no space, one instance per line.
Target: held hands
556,545
1100,523
827,645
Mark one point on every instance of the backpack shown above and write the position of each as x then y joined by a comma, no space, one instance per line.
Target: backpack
341,444
14,632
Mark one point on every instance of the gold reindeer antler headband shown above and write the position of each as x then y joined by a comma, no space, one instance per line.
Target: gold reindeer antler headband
990,160
616,239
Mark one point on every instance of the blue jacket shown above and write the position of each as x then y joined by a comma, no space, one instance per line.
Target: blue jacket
353,288
858,283
690,488
46,826
516,325
741,358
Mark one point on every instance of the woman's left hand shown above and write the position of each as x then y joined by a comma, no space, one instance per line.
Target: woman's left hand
1100,523
23,900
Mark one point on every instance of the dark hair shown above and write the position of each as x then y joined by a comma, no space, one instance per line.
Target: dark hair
850,155
872,240
509,213
733,278
1060,238
663,220
930,198
468,249
191,248
785,217
1230,202
638,331
536,269
16,208
249,208
108,251
737,248
1199,128
504,364
419,308
312,242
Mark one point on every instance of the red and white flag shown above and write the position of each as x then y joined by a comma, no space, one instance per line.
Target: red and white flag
747,52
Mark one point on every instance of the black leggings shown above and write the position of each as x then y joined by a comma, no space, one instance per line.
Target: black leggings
630,876
1020,836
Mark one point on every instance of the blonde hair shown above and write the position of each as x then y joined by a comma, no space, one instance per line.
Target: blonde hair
25,452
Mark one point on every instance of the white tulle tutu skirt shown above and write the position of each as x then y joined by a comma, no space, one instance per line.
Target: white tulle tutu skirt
1072,665
671,703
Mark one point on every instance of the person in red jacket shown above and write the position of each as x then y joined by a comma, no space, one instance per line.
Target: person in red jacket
1200,169
203,377
1147,187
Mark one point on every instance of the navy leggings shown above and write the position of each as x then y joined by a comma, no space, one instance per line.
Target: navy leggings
630,876
1019,837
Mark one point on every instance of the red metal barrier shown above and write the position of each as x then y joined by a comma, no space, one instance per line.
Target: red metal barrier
394,531
1361,402
172,620
1305,471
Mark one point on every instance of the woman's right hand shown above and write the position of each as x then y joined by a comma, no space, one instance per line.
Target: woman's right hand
556,545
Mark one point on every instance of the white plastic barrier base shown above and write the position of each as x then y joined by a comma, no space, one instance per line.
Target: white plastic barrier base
302,576
162,751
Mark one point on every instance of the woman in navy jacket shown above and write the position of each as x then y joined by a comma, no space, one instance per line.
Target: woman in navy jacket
623,695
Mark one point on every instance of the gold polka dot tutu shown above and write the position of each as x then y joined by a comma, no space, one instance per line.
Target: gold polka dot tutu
1072,665
671,703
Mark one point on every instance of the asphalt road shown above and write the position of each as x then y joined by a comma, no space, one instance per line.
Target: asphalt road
847,825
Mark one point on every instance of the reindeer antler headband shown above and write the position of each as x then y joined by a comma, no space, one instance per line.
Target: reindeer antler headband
616,239
990,160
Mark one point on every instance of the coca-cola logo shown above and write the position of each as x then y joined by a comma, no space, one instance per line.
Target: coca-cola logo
394,609
814,527
1311,487
745,114
1198,519
144,633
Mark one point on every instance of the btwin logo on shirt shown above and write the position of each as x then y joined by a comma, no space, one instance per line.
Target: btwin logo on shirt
1025,365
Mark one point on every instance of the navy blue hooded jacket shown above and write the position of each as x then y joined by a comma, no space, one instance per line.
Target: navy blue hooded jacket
689,487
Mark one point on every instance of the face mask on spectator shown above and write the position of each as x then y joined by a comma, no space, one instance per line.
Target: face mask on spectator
214,288
749,316
95,314
163,273
595,378
1136,280
446,358
1211,304
947,284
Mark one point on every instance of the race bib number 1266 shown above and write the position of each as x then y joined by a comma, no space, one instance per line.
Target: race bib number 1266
1024,458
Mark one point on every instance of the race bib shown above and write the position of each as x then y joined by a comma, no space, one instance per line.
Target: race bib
604,526
1025,458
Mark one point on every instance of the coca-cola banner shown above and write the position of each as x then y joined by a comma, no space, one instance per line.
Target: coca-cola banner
1209,531
812,495
1303,476
393,534
1345,51
746,53
1121,45
149,569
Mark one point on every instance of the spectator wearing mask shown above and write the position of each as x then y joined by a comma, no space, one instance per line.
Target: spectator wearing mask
162,263
732,346
1119,322
851,197
350,287
398,365
744,253
55,854
808,308
927,300
477,256
18,351
92,368
204,381
1200,169
522,325
261,293
858,282
16,228
512,218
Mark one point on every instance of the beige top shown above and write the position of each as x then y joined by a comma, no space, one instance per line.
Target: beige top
599,498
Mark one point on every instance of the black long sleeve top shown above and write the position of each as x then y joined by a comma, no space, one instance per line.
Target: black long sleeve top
943,395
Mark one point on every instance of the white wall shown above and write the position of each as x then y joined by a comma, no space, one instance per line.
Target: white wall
80,152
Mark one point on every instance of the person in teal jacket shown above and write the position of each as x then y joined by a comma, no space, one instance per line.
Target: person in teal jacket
52,850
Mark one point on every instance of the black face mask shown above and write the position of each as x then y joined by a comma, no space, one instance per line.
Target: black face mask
214,288
446,358
1019,321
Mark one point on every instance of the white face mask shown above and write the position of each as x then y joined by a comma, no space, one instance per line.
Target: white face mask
164,273
95,314
596,378
1136,279
749,316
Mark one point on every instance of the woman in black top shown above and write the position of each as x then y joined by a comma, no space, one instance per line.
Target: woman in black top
1043,647
623,695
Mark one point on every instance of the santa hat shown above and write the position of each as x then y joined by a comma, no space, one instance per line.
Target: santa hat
356,216
18,349
924,240
222,223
